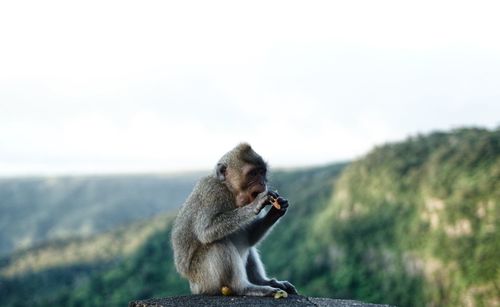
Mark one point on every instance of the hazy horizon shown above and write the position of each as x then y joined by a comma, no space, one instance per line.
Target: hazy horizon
125,88
201,171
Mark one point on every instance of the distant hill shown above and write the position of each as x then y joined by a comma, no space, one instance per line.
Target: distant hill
34,210
413,223
52,273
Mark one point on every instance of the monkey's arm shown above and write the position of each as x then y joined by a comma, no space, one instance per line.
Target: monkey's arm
259,228
214,227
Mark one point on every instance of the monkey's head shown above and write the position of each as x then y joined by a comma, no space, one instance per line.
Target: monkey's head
244,173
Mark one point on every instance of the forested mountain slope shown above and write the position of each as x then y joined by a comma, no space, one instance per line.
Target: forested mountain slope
33,210
417,222
49,273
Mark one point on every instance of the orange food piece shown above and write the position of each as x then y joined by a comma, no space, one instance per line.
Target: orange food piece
275,203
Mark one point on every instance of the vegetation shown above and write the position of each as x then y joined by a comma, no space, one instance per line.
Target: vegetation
65,207
412,224
50,273
417,222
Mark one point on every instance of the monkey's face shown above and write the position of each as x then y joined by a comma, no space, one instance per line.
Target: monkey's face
247,183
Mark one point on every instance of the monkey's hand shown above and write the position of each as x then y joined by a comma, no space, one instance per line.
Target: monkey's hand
280,204
260,202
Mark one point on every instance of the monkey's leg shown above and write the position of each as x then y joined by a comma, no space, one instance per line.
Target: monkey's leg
220,265
255,269
214,267
257,275
239,283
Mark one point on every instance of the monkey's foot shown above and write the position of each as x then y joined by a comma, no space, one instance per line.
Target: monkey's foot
280,294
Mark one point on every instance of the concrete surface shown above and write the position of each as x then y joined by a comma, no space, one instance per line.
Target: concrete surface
203,300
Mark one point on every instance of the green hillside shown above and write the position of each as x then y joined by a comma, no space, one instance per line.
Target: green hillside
34,210
43,274
417,222
412,224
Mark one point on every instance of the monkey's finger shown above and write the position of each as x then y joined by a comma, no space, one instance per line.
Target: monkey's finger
263,199
257,209
274,202
273,194
283,202
269,201
290,288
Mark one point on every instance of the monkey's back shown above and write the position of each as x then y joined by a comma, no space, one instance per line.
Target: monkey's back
184,241
209,193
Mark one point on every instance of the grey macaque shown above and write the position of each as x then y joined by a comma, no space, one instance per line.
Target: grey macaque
217,228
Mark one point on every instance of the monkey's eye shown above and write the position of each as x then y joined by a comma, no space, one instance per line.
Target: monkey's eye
253,173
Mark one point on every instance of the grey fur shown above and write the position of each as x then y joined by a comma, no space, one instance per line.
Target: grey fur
214,240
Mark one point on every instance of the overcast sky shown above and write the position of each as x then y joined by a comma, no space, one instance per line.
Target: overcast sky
160,86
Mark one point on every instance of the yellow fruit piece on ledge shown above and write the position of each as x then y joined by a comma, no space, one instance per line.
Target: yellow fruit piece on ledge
280,294
225,291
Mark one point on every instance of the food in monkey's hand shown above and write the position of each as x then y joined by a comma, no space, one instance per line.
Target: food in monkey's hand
274,202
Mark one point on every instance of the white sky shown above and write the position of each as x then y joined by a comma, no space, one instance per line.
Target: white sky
158,86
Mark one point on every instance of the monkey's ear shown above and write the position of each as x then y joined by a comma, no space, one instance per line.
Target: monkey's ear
220,171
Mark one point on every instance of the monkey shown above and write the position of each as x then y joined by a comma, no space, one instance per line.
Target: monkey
216,230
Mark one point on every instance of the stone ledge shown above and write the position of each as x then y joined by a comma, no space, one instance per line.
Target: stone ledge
204,300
